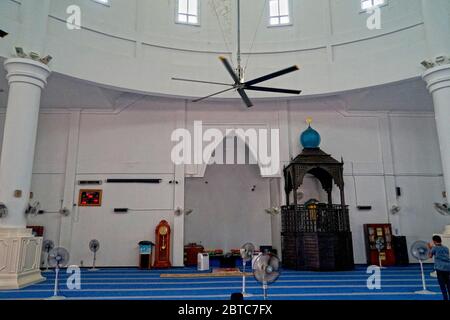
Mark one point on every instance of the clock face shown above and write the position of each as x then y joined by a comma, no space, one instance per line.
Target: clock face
163,230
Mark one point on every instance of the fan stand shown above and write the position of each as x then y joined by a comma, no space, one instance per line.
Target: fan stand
245,294
55,291
424,285
46,263
264,289
93,269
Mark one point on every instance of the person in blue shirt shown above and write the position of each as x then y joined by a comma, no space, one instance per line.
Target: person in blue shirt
441,265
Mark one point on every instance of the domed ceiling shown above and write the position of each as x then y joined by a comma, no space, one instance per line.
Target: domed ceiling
139,46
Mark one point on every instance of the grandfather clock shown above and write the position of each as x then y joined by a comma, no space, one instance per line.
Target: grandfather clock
162,252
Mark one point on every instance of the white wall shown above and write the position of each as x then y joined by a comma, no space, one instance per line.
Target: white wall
136,143
227,213
132,144
419,175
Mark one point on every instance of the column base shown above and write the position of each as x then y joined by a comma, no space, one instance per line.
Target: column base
20,256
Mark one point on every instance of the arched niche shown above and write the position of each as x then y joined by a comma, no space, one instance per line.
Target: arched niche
238,140
267,191
229,205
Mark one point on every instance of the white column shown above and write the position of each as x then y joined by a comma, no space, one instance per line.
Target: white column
19,251
437,30
26,79
178,220
66,226
389,172
285,153
438,83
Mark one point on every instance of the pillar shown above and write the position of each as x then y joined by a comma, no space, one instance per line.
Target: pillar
438,83
20,252
178,220
437,29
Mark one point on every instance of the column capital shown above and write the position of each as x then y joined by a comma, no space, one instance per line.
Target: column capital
27,70
437,78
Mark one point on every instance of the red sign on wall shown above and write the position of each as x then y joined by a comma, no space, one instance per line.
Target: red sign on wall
90,198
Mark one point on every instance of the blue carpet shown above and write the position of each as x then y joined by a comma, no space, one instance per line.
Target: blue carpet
397,283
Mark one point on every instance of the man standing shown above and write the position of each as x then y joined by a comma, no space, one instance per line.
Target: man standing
441,265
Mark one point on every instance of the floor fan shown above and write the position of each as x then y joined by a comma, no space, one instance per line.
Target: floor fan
57,258
266,270
48,245
246,251
421,251
94,246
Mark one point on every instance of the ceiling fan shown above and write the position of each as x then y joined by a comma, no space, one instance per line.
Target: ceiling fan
238,75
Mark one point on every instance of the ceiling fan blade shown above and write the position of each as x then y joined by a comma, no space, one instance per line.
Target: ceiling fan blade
272,75
230,69
212,95
244,97
201,81
288,91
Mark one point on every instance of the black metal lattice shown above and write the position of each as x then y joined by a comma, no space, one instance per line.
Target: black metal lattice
321,218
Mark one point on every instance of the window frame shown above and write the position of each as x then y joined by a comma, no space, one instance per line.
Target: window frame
106,4
290,23
187,23
386,2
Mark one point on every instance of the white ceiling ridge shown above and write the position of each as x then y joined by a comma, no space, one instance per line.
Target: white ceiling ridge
409,114
375,114
46,110
400,97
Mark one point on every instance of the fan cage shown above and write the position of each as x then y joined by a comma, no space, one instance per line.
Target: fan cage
267,260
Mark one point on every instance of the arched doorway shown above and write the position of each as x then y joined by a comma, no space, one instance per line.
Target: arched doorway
229,204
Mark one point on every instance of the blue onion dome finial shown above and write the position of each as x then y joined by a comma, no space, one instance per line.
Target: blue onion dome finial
310,138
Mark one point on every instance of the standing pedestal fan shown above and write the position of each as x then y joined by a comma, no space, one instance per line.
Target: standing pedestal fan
246,251
48,245
420,251
94,246
266,270
57,258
